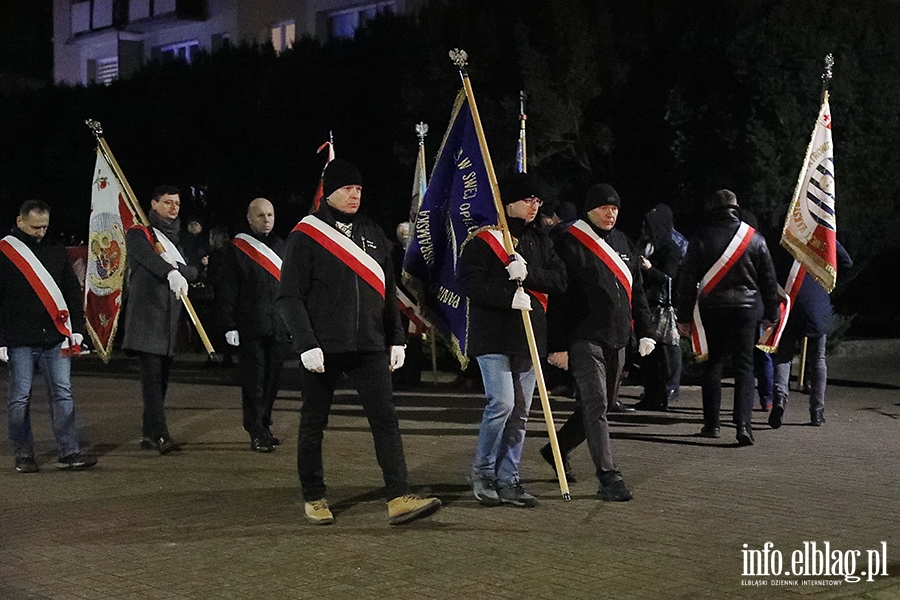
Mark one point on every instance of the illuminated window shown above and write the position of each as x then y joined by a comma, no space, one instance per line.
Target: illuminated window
103,70
283,36
183,51
342,24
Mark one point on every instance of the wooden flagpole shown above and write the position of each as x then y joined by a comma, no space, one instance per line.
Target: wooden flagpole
460,58
135,207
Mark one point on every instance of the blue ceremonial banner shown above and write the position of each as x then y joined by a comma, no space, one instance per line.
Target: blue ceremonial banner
458,202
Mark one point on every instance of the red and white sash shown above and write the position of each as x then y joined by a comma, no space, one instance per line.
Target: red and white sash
344,250
723,264
494,239
44,286
417,322
259,253
770,338
597,245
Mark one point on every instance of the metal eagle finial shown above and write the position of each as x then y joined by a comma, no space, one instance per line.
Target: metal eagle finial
459,58
421,131
829,64
95,126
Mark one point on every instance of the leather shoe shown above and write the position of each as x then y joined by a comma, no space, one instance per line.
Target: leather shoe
547,454
165,444
816,418
775,416
618,407
260,444
272,439
709,431
744,434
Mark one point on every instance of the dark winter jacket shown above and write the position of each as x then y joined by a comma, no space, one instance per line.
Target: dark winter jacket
151,309
664,255
23,319
811,312
247,292
327,305
748,287
494,326
595,308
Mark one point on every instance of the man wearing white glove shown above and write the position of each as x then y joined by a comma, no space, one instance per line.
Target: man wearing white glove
248,311
499,289
32,335
339,301
153,310
592,324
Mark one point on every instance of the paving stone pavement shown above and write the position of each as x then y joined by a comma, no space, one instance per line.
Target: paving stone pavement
220,521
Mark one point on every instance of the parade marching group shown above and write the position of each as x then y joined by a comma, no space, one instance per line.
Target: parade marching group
329,293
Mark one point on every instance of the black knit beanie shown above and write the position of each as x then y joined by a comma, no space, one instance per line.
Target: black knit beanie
339,173
601,194
517,186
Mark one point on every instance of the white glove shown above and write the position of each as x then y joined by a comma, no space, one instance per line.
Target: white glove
646,346
77,338
4,354
398,355
168,258
232,338
521,300
517,268
313,360
177,283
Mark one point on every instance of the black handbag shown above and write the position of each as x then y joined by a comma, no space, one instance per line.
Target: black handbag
665,325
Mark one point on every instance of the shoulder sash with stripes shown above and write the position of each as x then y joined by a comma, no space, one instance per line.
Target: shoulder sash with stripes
771,337
259,253
418,324
44,286
494,239
164,241
732,253
344,250
600,248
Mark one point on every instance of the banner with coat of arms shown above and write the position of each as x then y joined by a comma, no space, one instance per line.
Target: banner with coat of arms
105,270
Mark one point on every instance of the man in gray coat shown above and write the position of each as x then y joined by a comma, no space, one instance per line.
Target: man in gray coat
157,278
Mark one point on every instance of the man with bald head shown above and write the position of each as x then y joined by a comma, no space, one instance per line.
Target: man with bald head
252,321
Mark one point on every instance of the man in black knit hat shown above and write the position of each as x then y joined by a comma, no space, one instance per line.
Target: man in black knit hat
339,301
591,325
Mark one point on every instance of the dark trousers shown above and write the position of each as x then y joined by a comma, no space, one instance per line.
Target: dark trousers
154,382
729,333
261,360
371,376
597,371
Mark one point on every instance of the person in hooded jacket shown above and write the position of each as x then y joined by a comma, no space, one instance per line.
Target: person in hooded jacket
499,289
339,301
660,260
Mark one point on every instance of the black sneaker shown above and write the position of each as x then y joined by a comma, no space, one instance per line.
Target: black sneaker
547,454
614,491
76,462
775,416
26,464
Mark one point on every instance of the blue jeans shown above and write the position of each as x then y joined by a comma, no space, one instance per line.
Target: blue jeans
56,369
509,386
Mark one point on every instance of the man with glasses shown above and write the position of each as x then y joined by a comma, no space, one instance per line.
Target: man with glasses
499,289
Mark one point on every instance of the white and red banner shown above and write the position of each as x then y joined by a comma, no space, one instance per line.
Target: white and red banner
344,250
732,253
259,253
810,228
105,272
771,337
44,286
593,242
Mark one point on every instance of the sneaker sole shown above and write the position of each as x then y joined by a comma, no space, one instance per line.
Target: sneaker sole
27,470
75,467
609,498
485,501
519,503
425,511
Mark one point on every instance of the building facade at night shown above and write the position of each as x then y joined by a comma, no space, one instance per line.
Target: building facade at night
99,41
